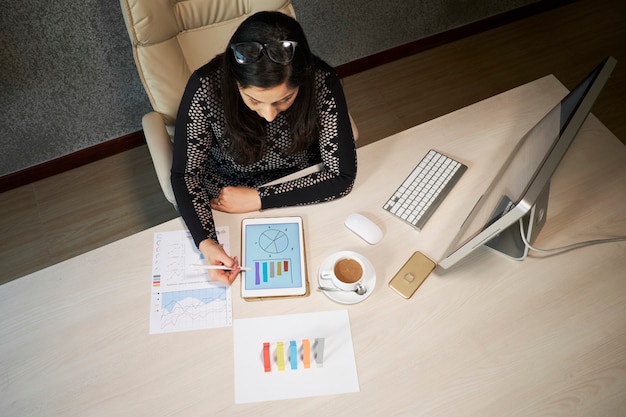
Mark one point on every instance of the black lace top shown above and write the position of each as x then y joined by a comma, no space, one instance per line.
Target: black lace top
202,166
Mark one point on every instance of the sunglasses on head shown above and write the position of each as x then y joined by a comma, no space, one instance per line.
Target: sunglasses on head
280,52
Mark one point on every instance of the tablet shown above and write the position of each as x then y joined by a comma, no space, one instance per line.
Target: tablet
274,250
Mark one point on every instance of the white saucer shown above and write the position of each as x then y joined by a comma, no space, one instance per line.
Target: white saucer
347,297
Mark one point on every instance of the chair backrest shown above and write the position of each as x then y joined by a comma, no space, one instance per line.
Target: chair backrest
171,39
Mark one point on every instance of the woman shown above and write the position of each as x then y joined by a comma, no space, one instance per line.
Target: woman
263,109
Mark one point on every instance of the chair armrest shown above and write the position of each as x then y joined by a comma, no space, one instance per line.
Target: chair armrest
355,130
161,150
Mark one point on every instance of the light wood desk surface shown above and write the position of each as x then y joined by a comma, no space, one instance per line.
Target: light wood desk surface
489,337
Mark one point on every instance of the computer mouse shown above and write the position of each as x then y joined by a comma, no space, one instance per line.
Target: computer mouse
364,228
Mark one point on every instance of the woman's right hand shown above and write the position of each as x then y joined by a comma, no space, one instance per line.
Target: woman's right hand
214,254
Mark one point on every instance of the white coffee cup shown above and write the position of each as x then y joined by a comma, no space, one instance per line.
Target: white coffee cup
347,273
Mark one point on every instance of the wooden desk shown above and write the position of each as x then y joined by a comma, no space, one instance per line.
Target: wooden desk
489,337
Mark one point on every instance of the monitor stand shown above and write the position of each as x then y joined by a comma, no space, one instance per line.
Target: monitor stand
509,241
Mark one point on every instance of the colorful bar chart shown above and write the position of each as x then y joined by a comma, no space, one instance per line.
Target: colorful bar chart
292,355
266,270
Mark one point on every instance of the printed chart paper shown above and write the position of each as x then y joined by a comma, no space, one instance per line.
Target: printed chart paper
182,297
293,356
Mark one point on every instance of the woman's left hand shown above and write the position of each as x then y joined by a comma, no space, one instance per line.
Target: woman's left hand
237,200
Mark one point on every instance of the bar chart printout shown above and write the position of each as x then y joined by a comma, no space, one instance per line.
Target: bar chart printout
182,296
293,356
298,354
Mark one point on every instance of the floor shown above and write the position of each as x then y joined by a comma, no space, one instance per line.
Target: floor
60,217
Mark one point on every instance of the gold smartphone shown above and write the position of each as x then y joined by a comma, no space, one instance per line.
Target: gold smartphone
412,274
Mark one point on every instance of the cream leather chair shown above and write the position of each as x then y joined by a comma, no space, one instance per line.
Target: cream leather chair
170,40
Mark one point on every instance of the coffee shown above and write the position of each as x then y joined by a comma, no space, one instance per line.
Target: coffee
348,270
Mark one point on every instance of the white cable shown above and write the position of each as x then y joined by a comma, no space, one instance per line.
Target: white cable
565,248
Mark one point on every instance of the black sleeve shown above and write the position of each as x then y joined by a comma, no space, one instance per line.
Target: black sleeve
190,162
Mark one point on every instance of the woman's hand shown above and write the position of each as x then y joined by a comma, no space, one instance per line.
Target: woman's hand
215,255
237,200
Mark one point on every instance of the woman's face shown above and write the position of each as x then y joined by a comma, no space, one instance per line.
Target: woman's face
269,102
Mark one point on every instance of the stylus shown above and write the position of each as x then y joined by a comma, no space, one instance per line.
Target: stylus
221,267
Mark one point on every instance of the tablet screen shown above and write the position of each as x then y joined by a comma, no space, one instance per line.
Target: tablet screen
273,249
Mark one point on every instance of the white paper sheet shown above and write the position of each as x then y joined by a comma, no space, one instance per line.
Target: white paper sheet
182,297
337,374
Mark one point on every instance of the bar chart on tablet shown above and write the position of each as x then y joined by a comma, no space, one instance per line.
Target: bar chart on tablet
270,269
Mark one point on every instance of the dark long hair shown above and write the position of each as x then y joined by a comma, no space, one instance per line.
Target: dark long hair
245,128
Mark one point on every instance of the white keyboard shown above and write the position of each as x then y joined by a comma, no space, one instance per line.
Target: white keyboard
425,188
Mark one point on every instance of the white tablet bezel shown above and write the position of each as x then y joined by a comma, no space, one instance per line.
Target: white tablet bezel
250,275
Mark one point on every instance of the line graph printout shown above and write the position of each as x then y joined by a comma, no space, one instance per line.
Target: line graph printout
182,297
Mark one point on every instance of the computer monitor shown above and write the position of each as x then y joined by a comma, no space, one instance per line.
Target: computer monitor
516,201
